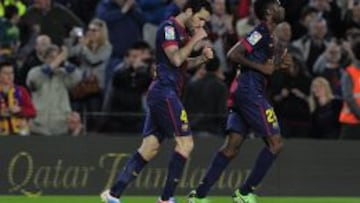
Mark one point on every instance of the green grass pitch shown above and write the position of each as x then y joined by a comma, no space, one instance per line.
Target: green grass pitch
94,199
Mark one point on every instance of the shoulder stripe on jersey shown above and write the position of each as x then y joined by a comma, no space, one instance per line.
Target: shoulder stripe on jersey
247,45
169,43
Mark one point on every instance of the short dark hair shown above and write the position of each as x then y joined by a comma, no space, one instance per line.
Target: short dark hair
5,61
48,50
197,5
11,11
140,45
356,49
260,7
213,65
307,11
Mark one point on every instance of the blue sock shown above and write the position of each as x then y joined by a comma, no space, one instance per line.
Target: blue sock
262,165
176,167
131,170
218,165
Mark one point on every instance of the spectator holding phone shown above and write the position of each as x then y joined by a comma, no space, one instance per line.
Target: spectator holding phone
93,51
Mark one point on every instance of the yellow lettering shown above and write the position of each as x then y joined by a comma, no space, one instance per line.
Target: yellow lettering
58,169
70,178
183,183
116,160
220,182
42,174
195,177
85,177
29,169
234,178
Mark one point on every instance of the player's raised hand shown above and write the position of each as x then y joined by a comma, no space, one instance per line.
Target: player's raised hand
269,67
199,34
207,53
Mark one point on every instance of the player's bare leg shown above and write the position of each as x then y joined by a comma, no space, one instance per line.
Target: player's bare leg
183,149
267,156
146,152
227,152
149,147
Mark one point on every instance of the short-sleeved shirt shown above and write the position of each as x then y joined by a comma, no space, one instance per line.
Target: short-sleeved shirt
260,48
249,107
166,116
169,78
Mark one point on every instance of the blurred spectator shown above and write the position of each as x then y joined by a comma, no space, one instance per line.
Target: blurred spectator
128,86
21,7
350,113
352,15
283,35
313,44
34,59
93,50
125,21
16,107
222,33
50,18
289,92
154,13
163,11
49,85
244,7
84,9
328,66
302,24
74,124
325,110
206,100
154,10
351,36
174,8
330,11
198,74
246,24
293,10
9,32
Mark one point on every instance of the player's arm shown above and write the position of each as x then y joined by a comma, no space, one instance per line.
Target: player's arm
206,55
178,56
237,55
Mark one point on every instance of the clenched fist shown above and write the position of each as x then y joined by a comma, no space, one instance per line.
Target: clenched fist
208,53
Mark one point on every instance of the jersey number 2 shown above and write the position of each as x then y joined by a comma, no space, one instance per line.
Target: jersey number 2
270,115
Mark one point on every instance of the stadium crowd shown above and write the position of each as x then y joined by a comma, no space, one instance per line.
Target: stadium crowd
87,65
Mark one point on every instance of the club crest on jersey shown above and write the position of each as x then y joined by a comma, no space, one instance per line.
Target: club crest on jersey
254,38
169,33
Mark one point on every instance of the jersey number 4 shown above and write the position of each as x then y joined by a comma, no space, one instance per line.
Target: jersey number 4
183,117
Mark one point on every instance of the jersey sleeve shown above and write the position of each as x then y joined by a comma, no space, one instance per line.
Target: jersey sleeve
168,36
254,39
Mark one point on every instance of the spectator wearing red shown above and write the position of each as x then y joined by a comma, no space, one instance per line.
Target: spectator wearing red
16,107
244,8
222,34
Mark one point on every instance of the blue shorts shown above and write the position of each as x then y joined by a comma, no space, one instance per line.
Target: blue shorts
166,118
255,114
